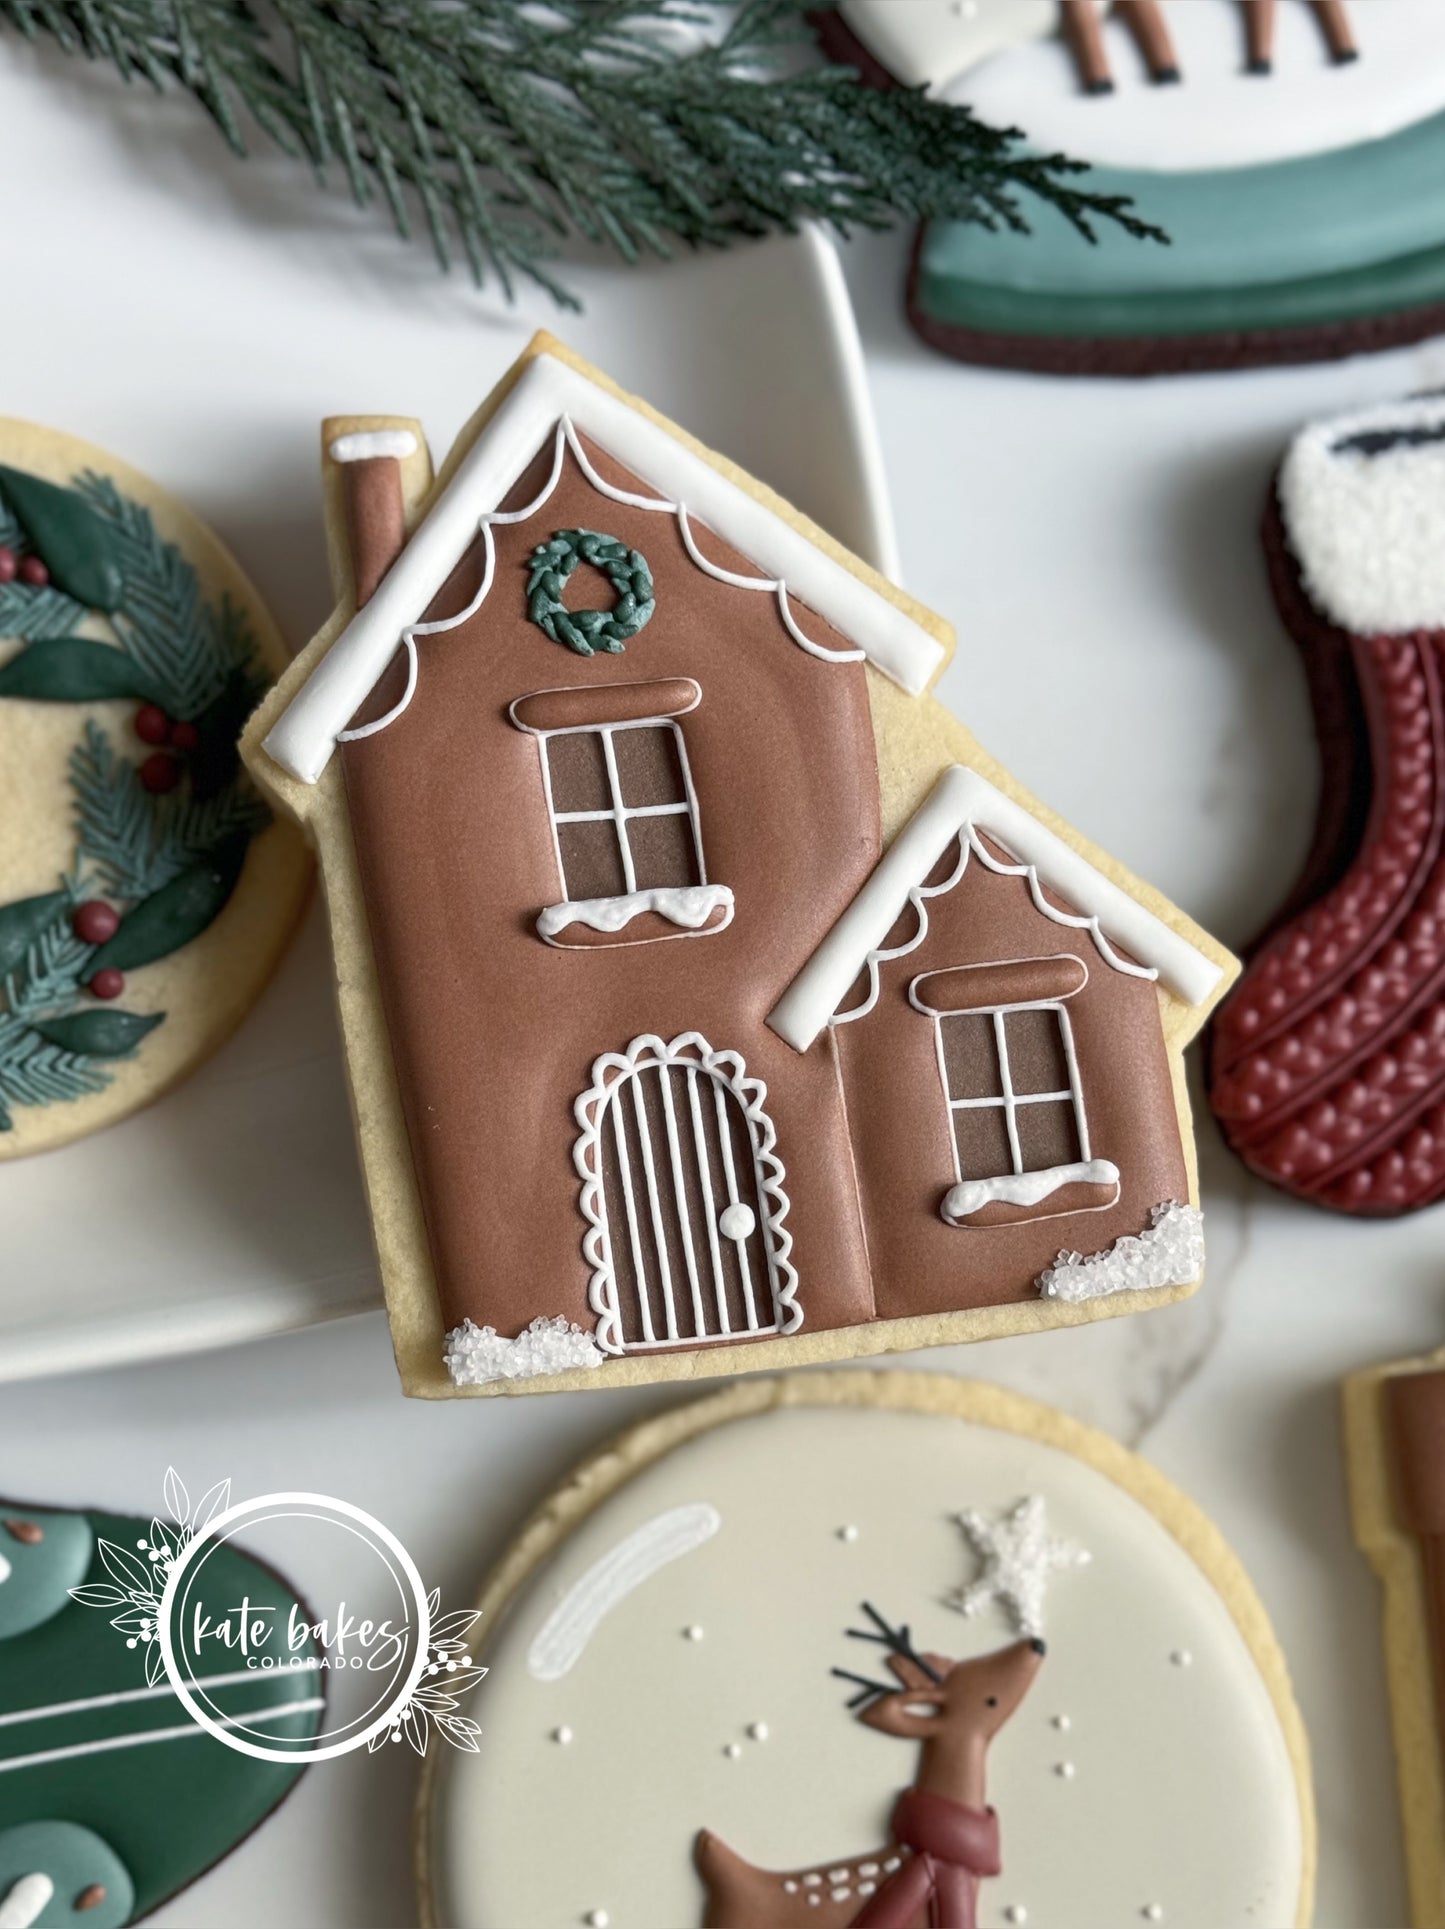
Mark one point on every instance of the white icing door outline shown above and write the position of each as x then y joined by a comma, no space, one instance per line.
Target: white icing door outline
672,1140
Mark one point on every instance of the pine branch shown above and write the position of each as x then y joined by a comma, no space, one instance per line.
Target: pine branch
637,123
187,647
139,842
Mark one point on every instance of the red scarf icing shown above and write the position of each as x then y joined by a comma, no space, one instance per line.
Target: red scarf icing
953,1847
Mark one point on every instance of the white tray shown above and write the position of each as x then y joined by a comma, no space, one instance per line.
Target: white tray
233,1207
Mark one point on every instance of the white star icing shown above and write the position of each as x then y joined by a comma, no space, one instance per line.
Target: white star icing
1018,1557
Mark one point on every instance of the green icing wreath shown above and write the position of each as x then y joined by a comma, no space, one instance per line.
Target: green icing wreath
588,631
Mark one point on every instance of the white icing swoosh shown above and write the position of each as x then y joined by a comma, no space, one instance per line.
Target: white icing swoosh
564,1635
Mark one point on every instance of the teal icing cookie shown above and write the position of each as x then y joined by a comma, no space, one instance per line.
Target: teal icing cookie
1345,237
55,1873
42,1556
102,1776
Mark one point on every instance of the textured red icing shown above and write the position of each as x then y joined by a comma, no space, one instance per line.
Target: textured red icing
1328,1062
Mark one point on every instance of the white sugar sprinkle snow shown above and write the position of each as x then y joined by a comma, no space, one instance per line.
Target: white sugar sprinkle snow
476,1354
1169,1253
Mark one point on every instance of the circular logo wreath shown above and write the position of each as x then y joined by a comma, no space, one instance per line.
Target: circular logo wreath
587,631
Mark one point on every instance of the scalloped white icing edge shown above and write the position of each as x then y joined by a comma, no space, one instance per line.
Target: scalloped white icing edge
549,397
964,801
1169,1252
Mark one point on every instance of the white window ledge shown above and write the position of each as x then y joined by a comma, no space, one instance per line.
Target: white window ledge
689,907
1023,1188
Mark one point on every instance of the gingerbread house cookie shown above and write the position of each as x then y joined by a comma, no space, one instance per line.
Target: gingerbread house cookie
1395,1440
711,1000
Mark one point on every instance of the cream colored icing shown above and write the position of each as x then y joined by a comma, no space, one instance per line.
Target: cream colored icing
1180,1795
1218,116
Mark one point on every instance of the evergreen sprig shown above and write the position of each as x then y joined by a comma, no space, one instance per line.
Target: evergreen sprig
509,124
138,842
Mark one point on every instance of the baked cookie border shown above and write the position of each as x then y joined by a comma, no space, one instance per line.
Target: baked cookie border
609,1467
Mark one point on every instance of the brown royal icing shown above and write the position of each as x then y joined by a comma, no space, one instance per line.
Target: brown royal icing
1415,1418
495,1032
943,1838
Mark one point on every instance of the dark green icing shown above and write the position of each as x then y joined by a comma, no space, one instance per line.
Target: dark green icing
165,848
69,537
75,669
176,914
169,1809
1341,236
103,1032
588,631
23,921
77,1861
42,1572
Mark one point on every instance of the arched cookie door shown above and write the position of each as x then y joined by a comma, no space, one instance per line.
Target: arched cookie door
683,1193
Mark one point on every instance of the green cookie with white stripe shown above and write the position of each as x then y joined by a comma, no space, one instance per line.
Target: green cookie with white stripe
112,1797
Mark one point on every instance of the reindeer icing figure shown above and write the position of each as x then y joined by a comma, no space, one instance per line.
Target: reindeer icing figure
931,42
944,1837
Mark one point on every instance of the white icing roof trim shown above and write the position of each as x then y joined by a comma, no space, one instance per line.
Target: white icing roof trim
366,445
549,394
963,802
1368,531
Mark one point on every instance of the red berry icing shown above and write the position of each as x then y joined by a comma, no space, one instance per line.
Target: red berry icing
33,572
9,563
160,773
184,736
152,725
108,983
95,921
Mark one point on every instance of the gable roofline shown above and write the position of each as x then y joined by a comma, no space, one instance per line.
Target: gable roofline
553,388
961,804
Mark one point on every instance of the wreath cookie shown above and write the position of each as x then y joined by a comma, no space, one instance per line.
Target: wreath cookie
146,893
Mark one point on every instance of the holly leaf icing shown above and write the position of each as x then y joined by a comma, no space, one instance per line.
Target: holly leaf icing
100,1033
176,914
75,545
75,669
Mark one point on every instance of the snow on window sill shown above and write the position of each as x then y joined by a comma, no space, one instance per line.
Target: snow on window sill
693,908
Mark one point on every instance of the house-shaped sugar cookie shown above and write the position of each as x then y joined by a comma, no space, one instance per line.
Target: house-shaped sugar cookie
710,1000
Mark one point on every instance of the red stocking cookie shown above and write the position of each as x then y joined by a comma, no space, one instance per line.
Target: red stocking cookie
1328,1062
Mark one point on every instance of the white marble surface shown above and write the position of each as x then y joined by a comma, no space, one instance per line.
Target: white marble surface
1095,544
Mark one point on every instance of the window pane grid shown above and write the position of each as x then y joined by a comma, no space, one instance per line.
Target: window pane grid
621,812
1006,1100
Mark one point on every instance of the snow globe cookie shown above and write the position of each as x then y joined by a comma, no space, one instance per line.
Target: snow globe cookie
871,1649
146,892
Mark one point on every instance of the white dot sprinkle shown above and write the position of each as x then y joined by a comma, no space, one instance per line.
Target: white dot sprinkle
848,1533
758,1730
597,1919
866,1888
1065,1770
1182,1658
839,1895
1063,1724
790,1888
1016,1912
694,1633
732,1751
814,1899
562,1734
1152,1912
811,1881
